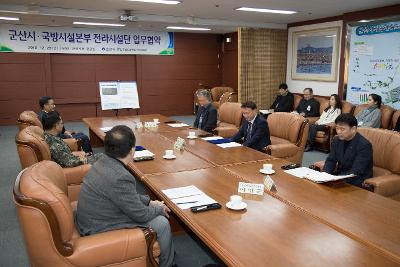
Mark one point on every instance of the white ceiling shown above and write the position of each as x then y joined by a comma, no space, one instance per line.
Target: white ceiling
219,15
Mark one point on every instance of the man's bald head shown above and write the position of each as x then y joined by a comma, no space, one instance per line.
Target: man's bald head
119,141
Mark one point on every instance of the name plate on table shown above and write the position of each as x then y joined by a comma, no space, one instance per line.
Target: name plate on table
248,188
150,124
180,143
269,183
138,125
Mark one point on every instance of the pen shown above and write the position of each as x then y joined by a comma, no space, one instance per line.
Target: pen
186,202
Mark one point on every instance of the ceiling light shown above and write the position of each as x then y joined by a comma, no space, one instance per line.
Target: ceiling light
9,18
264,10
188,28
364,20
98,24
165,2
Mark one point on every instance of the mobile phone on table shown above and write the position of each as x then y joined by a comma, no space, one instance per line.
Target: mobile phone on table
290,166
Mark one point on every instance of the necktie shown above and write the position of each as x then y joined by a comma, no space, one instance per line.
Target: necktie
248,135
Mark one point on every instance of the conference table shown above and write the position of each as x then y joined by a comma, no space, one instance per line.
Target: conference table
300,223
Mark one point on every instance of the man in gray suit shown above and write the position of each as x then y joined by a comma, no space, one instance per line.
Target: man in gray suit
108,199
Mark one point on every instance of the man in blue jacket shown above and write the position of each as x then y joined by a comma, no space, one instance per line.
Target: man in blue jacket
350,153
254,130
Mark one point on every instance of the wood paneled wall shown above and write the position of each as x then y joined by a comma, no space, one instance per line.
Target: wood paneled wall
230,61
165,83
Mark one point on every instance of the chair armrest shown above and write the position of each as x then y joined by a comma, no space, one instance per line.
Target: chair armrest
74,175
113,247
282,150
385,185
312,120
73,143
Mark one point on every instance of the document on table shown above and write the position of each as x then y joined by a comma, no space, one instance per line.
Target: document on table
231,144
264,111
106,129
143,154
316,176
188,196
211,138
178,125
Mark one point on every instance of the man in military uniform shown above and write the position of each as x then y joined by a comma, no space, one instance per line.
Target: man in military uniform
60,151
47,105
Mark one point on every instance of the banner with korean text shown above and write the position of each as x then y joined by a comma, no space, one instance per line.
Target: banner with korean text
42,39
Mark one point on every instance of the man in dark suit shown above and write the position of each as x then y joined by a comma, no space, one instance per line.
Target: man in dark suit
206,117
47,105
308,106
254,130
350,153
109,199
284,101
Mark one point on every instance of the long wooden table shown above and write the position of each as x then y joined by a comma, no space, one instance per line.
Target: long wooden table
301,224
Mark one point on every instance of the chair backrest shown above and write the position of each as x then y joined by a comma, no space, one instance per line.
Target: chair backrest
230,112
323,103
395,117
218,91
31,146
45,213
228,97
386,148
297,99
28,118
347,107
287,126
387,113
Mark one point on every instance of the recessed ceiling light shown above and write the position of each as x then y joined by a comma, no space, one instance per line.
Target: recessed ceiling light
165,2
364,20
9,18
188,28
265,10
98,24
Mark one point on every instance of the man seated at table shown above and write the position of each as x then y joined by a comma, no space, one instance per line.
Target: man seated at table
308,106
109,200
47,105
254,131
350,152
206,117
284,101
60,151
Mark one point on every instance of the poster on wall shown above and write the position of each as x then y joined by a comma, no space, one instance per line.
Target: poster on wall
374,63
69,40
315,54
118,95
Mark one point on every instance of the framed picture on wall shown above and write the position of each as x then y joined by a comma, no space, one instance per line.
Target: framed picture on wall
315,54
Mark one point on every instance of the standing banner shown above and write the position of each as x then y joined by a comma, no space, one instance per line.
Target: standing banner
43,39
374,65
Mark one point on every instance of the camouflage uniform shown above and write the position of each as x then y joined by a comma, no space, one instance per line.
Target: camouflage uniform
61,153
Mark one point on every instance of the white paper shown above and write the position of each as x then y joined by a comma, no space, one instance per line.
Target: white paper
197,200
118,95
210,138
227,145
178,125
264,111
106,129
316,176
180,192
142,154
